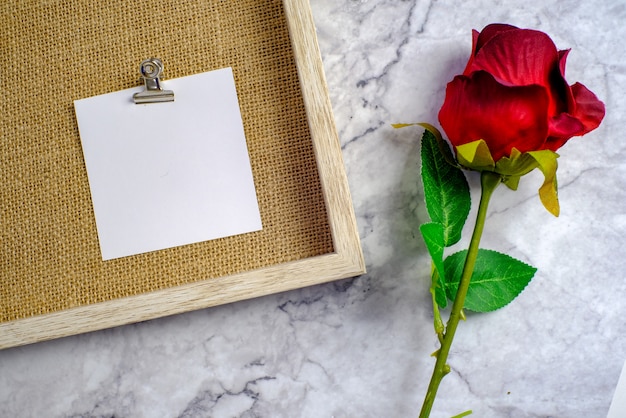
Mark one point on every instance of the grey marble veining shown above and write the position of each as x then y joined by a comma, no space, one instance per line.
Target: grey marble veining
360,347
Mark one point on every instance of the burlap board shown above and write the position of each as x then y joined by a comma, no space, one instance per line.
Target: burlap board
55,52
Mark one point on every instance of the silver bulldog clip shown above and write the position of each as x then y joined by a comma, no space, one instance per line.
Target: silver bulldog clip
151,69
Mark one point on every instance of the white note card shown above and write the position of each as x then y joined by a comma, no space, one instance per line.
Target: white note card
164,175
618,406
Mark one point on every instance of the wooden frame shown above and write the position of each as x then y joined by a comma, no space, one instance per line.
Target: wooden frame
345,261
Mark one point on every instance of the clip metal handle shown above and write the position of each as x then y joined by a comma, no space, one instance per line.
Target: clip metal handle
151,69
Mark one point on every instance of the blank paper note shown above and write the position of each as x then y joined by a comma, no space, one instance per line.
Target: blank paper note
618,406
168,174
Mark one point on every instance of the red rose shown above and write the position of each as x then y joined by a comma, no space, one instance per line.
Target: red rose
513,94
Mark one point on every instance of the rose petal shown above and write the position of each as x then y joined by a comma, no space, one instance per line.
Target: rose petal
560,129
518,57
562,89
589,109
480,38
475,35
478,107
562,59
490,31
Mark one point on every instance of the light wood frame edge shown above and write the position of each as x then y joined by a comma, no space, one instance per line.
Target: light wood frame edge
346,261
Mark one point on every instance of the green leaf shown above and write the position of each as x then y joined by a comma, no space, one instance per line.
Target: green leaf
443,145
496,281
433,237
446,190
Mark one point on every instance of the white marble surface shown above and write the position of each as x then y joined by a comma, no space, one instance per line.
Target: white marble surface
360,347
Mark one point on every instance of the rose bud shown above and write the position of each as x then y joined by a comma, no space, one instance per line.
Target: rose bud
512,108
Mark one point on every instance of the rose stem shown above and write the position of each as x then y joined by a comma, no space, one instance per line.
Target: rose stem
488,182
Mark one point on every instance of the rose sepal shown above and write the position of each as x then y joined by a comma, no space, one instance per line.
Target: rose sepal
548,192
476,156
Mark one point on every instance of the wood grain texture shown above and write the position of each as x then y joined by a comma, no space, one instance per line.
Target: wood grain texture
345,261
